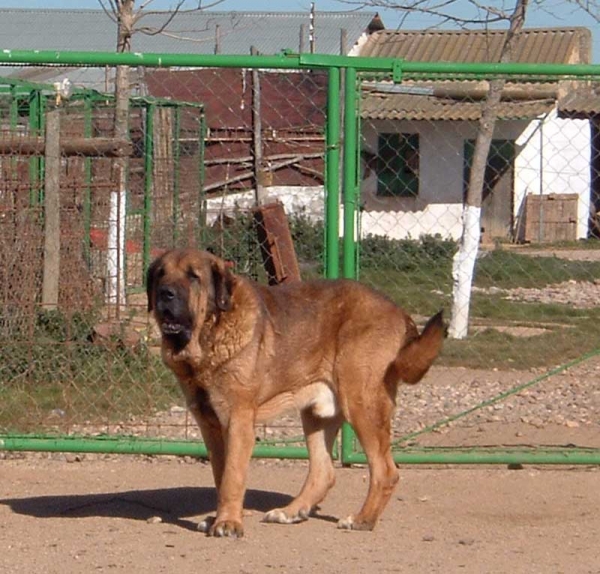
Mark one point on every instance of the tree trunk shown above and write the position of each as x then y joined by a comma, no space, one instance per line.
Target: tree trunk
116,294
464,260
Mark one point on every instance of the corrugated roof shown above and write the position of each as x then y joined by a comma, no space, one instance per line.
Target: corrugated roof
548,45
431,108
534,45
581,102
187,32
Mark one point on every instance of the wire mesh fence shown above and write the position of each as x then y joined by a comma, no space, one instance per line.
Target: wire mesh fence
207,145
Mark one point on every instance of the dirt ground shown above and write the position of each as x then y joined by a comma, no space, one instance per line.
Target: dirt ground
140,515
71,514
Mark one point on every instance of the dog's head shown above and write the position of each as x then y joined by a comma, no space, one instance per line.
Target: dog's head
186,287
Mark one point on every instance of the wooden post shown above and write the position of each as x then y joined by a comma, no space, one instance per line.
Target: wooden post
302,43
343,42
51,268
257,126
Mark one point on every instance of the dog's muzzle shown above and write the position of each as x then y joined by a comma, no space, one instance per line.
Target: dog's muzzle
173,317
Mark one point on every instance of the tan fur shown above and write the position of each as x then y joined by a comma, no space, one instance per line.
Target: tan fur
242,352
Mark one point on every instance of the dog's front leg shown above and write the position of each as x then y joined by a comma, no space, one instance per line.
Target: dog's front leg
239,441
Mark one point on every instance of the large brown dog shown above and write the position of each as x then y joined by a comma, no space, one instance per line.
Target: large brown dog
335,350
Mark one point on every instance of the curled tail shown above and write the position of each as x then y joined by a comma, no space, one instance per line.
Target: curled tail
415,358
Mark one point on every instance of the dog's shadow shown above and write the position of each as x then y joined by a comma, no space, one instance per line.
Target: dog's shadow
171,505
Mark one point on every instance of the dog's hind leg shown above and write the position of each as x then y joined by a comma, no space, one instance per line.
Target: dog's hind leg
373,426
320,436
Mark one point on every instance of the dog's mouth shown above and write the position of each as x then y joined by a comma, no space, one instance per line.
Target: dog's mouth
171,328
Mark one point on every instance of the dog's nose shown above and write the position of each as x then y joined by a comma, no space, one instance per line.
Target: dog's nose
166,293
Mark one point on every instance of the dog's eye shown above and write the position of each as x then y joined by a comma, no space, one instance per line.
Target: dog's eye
192,275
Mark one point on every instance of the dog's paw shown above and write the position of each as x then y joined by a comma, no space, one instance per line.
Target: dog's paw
226,529
281,516
352,523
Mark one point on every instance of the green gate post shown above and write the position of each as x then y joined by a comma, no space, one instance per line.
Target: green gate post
332,176
349,200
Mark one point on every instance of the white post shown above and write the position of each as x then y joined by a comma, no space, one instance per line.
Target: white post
115,262
463,267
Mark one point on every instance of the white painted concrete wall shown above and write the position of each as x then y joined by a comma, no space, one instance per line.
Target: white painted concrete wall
554,157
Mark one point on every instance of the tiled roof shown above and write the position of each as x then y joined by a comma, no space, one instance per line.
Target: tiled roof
535,45
459,100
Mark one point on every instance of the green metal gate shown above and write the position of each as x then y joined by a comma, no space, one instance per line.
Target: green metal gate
343,130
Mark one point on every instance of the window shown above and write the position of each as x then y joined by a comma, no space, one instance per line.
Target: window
398,165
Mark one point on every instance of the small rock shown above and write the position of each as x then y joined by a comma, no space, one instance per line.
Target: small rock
154,520
466,541
572,424
428,538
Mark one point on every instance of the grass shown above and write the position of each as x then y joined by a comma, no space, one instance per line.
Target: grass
52,375
58,377
568,332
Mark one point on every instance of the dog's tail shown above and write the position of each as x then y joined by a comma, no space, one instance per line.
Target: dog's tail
415,358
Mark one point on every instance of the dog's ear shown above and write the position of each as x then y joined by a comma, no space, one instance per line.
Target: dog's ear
223,285
151,278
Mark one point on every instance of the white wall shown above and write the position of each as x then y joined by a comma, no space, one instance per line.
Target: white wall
565,146
294,199
554,157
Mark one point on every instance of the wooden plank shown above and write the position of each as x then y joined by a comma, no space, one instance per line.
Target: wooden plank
77,146
277,246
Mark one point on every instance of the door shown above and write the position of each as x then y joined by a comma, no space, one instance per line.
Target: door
497,200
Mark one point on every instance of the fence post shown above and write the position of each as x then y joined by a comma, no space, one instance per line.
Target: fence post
51,270
332,182
148,183
349,201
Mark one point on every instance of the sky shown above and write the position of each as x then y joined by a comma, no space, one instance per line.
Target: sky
546,13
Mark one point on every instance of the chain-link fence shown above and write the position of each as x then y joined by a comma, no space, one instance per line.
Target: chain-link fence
210,139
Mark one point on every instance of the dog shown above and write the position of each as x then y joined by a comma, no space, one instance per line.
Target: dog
243,352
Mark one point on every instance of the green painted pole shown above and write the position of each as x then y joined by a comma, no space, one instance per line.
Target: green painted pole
453,68
35,163
349,195
489,456
289,61
332,174
148,182
148,59
350,174
134,445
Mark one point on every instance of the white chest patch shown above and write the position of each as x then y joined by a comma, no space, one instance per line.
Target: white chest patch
320,398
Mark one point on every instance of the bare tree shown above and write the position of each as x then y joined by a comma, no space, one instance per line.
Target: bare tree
464,260
128,20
